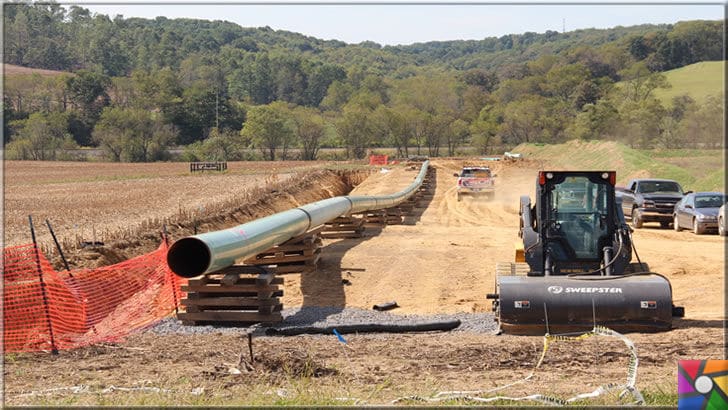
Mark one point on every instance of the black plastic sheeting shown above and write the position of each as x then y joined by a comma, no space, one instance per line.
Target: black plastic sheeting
365,328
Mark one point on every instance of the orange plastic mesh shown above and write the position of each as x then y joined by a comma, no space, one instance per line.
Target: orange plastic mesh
378,159
84,306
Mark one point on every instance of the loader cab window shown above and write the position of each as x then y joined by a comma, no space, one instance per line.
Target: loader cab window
578,213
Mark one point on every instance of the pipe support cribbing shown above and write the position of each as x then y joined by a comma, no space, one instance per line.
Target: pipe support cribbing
626,388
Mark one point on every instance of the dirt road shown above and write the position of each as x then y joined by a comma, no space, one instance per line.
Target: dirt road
444,259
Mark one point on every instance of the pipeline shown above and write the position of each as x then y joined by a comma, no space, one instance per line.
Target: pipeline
212,251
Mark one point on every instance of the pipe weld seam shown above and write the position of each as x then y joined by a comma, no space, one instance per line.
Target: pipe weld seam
308,215
351,203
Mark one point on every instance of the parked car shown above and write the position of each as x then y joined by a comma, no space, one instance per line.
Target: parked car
698,211
721,221
476,181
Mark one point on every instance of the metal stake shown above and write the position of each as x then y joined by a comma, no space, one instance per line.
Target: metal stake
58,246
250,347
172,278
164,234
54,349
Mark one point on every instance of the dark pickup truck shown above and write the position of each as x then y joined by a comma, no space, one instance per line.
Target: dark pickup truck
650,200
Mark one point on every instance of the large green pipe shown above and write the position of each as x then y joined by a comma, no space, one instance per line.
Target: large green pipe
209,252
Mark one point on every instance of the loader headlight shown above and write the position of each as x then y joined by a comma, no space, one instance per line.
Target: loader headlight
549,175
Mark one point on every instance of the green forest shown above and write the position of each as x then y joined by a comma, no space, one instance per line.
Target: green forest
136,87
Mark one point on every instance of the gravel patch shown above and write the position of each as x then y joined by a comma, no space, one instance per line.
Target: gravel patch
324,317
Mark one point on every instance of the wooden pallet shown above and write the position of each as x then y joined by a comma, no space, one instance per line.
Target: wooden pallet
426,193
395,216
410,204
430,178
407,206
297,255
343,227
382,217
238,294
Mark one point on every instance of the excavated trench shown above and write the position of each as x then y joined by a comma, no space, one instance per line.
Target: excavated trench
267,200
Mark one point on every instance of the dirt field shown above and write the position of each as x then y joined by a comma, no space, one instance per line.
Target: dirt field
105,201
10,69
441,260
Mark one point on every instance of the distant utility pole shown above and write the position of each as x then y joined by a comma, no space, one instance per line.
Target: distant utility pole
563,26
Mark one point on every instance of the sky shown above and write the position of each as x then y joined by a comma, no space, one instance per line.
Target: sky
392,24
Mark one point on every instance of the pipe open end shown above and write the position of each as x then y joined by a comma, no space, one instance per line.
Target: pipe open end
188,257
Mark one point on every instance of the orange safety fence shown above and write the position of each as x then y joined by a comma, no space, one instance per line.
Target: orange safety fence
378,159
45,310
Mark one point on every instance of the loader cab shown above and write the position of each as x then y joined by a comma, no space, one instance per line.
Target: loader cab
577,212
575,218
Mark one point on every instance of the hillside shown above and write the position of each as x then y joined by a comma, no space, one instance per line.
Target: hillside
519,48
697,80
63,39
697,170
198,78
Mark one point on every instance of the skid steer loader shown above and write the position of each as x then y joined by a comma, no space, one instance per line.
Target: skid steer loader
574,270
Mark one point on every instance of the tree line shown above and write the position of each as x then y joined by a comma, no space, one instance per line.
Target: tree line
136,87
